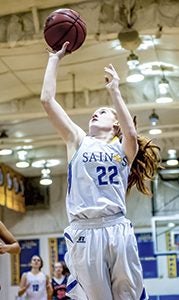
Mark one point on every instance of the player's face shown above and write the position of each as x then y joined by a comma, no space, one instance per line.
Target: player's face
36,262
58,268
103,118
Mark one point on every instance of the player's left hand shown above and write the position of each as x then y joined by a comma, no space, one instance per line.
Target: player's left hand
111,77
61,53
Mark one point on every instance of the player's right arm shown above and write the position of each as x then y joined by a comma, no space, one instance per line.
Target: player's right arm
70,132
10,244
23,285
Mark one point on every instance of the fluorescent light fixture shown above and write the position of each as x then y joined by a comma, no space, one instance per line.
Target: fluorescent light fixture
6,151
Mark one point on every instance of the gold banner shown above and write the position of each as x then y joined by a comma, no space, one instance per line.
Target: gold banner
11,189
2,187
53,253
171,259
15,269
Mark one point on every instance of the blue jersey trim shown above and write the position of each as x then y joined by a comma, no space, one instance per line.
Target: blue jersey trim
71,286
144,295
69,177
68,237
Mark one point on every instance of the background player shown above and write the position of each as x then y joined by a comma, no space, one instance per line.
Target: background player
35,285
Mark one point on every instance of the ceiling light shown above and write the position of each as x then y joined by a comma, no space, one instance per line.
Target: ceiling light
132,60
163,85
172,162
45,177
164,99
45,171
171,225
164,95
45,181
48,163
22,159
153,118
6,151
27,140
22,154
172,153
27,147
172,158
155,131
134,75
22,164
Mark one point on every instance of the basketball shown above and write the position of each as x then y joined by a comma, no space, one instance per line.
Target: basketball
64,25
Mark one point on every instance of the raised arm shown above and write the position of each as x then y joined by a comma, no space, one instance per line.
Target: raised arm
68,130
129,134
10,244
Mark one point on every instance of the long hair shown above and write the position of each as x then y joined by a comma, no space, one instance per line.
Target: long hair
144,166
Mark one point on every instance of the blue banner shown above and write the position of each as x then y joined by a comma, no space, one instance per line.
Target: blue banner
28,249
146,254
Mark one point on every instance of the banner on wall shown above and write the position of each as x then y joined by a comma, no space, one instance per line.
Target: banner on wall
171,259
11,189
2,192
146,254
57,249
15,269
20,263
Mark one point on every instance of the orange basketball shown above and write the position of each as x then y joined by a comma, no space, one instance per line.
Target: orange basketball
64,25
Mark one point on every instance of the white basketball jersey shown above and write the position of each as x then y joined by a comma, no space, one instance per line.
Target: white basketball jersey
37,289
97,180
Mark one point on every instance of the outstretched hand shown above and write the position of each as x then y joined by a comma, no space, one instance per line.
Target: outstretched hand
62,52
111,77
2,248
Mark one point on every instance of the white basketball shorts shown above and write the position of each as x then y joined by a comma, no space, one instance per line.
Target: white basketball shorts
103,260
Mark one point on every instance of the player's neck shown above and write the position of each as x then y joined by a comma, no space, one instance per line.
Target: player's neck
35,271
59,276
102,135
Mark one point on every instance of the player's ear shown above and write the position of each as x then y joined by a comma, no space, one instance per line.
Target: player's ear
117,129
135,121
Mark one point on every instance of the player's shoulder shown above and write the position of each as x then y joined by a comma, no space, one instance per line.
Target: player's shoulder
24,275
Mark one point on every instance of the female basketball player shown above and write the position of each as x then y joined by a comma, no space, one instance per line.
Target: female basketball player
35,285
102,252
10,244
59,281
